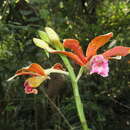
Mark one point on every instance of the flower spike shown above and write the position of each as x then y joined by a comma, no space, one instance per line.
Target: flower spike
93,62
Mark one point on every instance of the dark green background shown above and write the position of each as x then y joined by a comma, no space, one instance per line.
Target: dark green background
106,100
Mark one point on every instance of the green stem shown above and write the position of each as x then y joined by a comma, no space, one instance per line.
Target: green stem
78,101
80,73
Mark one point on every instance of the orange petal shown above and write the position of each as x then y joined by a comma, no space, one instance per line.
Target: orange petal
117,51
27,73
23,73
96,43
36,68
71,55
58,66
74,45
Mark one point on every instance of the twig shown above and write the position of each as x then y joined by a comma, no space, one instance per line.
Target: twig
58,110
121,104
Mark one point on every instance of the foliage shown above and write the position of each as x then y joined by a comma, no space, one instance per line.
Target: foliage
106,100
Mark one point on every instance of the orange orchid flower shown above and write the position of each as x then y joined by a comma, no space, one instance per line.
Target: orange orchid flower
38,75
98,63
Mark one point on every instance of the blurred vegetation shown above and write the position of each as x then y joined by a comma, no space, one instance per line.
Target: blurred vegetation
106,100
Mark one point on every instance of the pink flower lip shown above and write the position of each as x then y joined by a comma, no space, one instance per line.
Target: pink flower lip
28,89
99,65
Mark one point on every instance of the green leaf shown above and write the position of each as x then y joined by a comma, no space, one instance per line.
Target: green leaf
26,12
100,117
10,108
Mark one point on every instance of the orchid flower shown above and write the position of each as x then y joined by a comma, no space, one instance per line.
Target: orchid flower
95,63
38,75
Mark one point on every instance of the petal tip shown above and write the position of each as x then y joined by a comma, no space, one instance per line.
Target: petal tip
11,78
58,66
129,51
110,34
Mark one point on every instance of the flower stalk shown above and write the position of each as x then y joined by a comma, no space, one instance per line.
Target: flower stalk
82,68
51,70
77,98
55,42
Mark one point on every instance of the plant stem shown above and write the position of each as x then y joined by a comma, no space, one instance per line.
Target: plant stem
51,70
77,98
80,73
